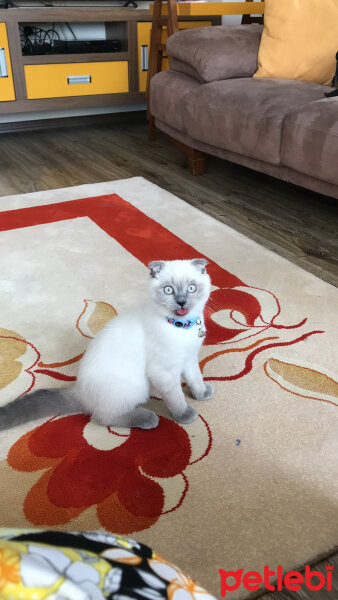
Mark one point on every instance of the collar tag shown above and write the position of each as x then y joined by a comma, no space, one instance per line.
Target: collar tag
184,324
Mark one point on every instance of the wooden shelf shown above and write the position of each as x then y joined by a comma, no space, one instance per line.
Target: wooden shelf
47,14
26,106
41,59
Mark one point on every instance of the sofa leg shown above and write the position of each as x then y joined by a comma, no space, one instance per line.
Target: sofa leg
152,128
197,163
196,159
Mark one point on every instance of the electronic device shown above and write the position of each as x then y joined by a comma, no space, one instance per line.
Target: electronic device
84,46
72,47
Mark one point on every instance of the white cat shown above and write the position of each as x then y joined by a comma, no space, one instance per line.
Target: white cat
153,345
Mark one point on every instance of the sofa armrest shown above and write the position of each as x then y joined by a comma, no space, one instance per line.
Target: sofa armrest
216,53
183,67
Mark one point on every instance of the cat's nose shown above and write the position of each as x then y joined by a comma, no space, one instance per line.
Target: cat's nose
181,302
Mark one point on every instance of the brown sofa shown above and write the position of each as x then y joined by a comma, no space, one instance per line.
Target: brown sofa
210,102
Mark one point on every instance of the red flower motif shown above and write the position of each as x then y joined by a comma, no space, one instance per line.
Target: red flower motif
123,481
241,312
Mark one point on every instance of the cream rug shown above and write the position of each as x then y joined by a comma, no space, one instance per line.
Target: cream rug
253,481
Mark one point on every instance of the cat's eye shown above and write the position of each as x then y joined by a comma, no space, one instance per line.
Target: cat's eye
192,288
168,290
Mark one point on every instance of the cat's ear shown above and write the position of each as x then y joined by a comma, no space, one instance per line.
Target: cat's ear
155,267
200,264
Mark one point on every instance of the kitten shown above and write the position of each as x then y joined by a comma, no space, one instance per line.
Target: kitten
154,344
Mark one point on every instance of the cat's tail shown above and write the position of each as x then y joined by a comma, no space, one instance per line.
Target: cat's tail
42,403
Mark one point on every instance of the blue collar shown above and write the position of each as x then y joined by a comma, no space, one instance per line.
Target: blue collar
184,324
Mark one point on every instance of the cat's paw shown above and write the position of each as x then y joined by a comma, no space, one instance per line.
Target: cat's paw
188,416
209,391
207,394
144,419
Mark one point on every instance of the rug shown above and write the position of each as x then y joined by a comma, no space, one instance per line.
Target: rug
253,481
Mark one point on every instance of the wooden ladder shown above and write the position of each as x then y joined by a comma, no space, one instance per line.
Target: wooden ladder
157,48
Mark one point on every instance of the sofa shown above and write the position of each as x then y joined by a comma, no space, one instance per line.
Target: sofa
208,102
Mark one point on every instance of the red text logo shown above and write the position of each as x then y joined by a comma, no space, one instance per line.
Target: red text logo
293,580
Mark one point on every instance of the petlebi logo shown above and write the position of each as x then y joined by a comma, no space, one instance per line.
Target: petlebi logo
292,580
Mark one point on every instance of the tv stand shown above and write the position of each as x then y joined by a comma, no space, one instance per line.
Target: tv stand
40,82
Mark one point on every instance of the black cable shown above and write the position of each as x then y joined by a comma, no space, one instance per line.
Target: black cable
33,37
52,33
70,29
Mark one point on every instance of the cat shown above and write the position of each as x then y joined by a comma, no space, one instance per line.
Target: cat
152,345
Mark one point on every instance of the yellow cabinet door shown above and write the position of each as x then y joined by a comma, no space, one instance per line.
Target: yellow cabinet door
76,79
143,41
6,78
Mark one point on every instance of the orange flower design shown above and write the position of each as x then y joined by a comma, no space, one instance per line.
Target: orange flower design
181,586
9,567
124,475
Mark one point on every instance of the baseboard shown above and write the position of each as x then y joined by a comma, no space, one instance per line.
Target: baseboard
124,117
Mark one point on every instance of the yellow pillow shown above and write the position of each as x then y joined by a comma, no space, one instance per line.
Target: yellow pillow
300,40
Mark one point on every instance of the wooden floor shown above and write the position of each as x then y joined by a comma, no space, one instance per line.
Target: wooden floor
297,224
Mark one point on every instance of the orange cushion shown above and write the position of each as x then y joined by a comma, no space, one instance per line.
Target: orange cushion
299,41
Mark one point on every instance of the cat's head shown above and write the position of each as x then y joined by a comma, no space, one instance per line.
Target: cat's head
179,288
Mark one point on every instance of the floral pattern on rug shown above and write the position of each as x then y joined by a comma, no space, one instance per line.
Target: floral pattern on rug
302,380
126,481
126,474
134,477
242,312
232,315
123,473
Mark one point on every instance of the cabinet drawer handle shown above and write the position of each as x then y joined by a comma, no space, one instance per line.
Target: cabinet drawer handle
144,58
74,79
3,63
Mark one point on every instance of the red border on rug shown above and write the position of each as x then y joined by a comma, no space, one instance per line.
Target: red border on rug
134,230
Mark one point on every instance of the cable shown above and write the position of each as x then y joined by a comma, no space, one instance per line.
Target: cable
51,33
71,31
34,39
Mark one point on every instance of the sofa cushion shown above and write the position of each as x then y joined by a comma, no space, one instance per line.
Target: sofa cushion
217,53
300,40
242,115
310,140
